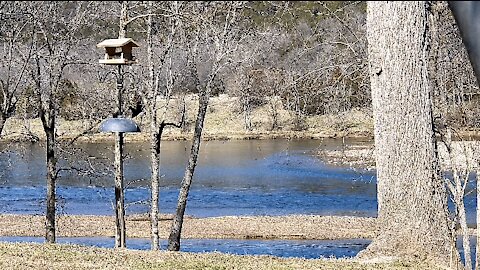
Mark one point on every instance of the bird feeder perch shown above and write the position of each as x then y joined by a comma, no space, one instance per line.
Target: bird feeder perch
118,51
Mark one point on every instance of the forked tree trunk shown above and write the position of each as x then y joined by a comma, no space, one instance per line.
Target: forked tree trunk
412,200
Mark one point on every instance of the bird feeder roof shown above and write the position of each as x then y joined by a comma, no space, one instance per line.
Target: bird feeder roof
117,42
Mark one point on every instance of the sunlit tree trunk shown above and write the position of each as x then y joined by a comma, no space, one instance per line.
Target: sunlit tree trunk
123,23
176,230
412,200
154,137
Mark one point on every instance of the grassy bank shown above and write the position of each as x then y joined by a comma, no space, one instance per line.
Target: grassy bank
48,256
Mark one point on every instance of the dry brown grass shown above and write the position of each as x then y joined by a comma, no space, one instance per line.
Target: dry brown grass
46,256
240,227
54,256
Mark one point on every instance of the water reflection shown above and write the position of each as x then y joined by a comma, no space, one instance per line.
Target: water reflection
254,177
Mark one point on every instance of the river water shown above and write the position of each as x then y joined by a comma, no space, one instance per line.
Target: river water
245,177
248,177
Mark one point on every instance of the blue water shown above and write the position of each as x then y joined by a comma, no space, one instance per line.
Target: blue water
272,177
257,177
308,249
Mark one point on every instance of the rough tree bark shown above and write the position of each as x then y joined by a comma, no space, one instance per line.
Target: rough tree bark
412,201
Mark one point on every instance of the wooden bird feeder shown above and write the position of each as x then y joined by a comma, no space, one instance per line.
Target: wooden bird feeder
118,51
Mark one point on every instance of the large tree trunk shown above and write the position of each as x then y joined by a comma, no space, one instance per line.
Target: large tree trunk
176,230
412,201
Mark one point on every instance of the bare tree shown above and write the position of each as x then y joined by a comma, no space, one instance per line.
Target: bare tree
412,201
216,25
56,33
454,108
16,50
460,160
466,18
161,69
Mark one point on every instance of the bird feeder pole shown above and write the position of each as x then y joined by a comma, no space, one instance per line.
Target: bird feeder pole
119,52
120,232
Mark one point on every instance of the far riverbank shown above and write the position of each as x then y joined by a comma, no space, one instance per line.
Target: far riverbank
224,121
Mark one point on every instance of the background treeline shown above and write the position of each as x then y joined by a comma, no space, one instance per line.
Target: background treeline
307,57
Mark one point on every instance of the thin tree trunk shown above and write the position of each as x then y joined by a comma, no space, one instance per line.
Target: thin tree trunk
457,189
155,158
122,31
120,233
47,116
459,194
3,119
462,216
176,230
50,236
155,137
412,200
247,113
